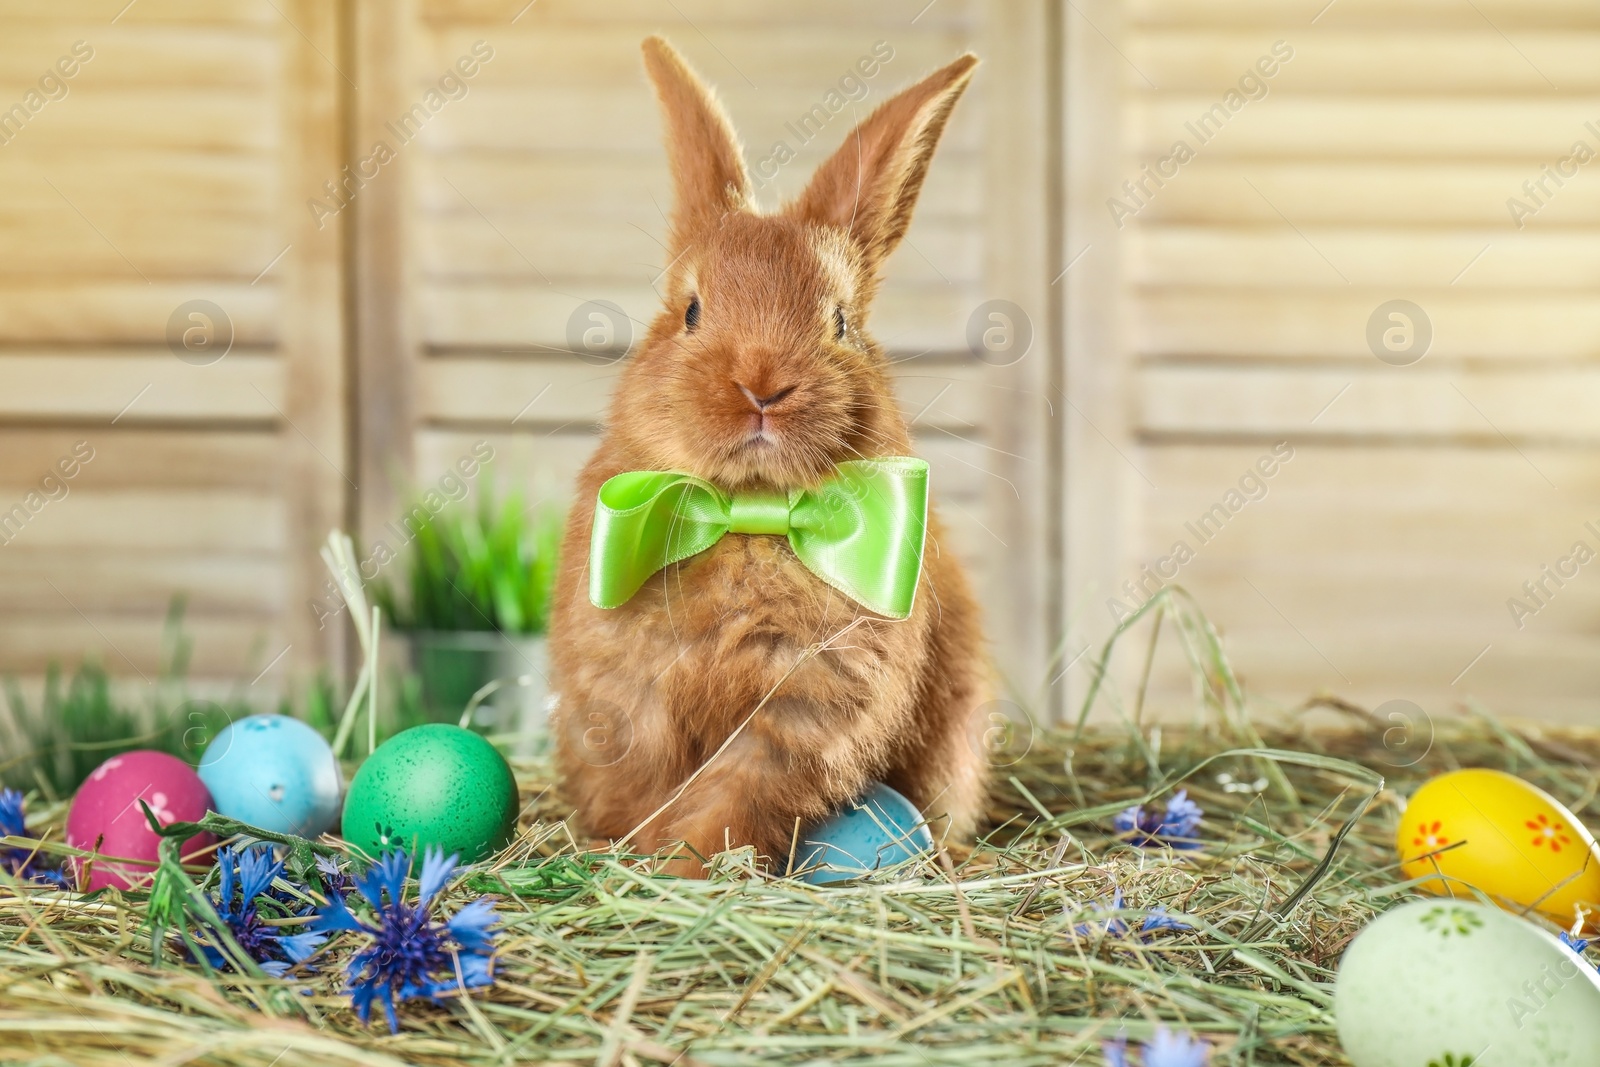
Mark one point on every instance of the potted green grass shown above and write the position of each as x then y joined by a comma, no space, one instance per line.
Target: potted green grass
474,608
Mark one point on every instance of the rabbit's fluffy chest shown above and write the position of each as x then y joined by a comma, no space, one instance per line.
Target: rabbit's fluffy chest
737,620
748,588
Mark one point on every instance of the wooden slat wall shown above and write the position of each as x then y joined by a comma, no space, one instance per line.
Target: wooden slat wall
175,168
376,344
1419,498
1172,352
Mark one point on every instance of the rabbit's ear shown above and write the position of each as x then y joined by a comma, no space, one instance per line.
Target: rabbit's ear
870,185
708,174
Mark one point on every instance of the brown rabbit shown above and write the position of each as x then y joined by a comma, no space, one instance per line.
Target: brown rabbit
758,373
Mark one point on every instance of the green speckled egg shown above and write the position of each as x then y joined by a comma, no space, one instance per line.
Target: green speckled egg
432,785
1454,983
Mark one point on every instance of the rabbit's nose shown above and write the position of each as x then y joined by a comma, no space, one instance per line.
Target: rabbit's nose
762,403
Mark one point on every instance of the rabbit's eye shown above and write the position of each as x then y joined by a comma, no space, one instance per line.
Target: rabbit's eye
691,315
838,324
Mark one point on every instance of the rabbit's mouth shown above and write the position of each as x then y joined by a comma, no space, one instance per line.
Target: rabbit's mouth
760,453
767,456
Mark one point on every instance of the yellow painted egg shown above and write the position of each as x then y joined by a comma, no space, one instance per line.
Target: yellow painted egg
1512,841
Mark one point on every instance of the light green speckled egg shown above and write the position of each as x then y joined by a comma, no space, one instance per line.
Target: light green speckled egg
432,785
1454,983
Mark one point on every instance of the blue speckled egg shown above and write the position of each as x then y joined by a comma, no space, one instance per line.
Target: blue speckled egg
274,772
879,830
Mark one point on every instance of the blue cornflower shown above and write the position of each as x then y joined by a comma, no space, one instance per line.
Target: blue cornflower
1114,927
1578,945
1178,826
1158,919
23,862
334,878
1169,1049
1166,1049
411,954
1155,919
246,875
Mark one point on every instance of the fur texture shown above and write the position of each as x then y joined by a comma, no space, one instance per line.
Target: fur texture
757,372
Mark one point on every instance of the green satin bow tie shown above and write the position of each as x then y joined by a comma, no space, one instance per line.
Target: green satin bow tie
861,531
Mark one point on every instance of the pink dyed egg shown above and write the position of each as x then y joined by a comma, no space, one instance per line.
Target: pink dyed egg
106,810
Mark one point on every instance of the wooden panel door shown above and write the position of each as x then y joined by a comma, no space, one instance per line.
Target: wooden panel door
171,385
1343,159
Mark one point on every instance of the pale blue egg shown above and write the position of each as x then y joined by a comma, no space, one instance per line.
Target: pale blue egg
879,830
274,772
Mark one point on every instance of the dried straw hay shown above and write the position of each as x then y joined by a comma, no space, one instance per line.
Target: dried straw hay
974,961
